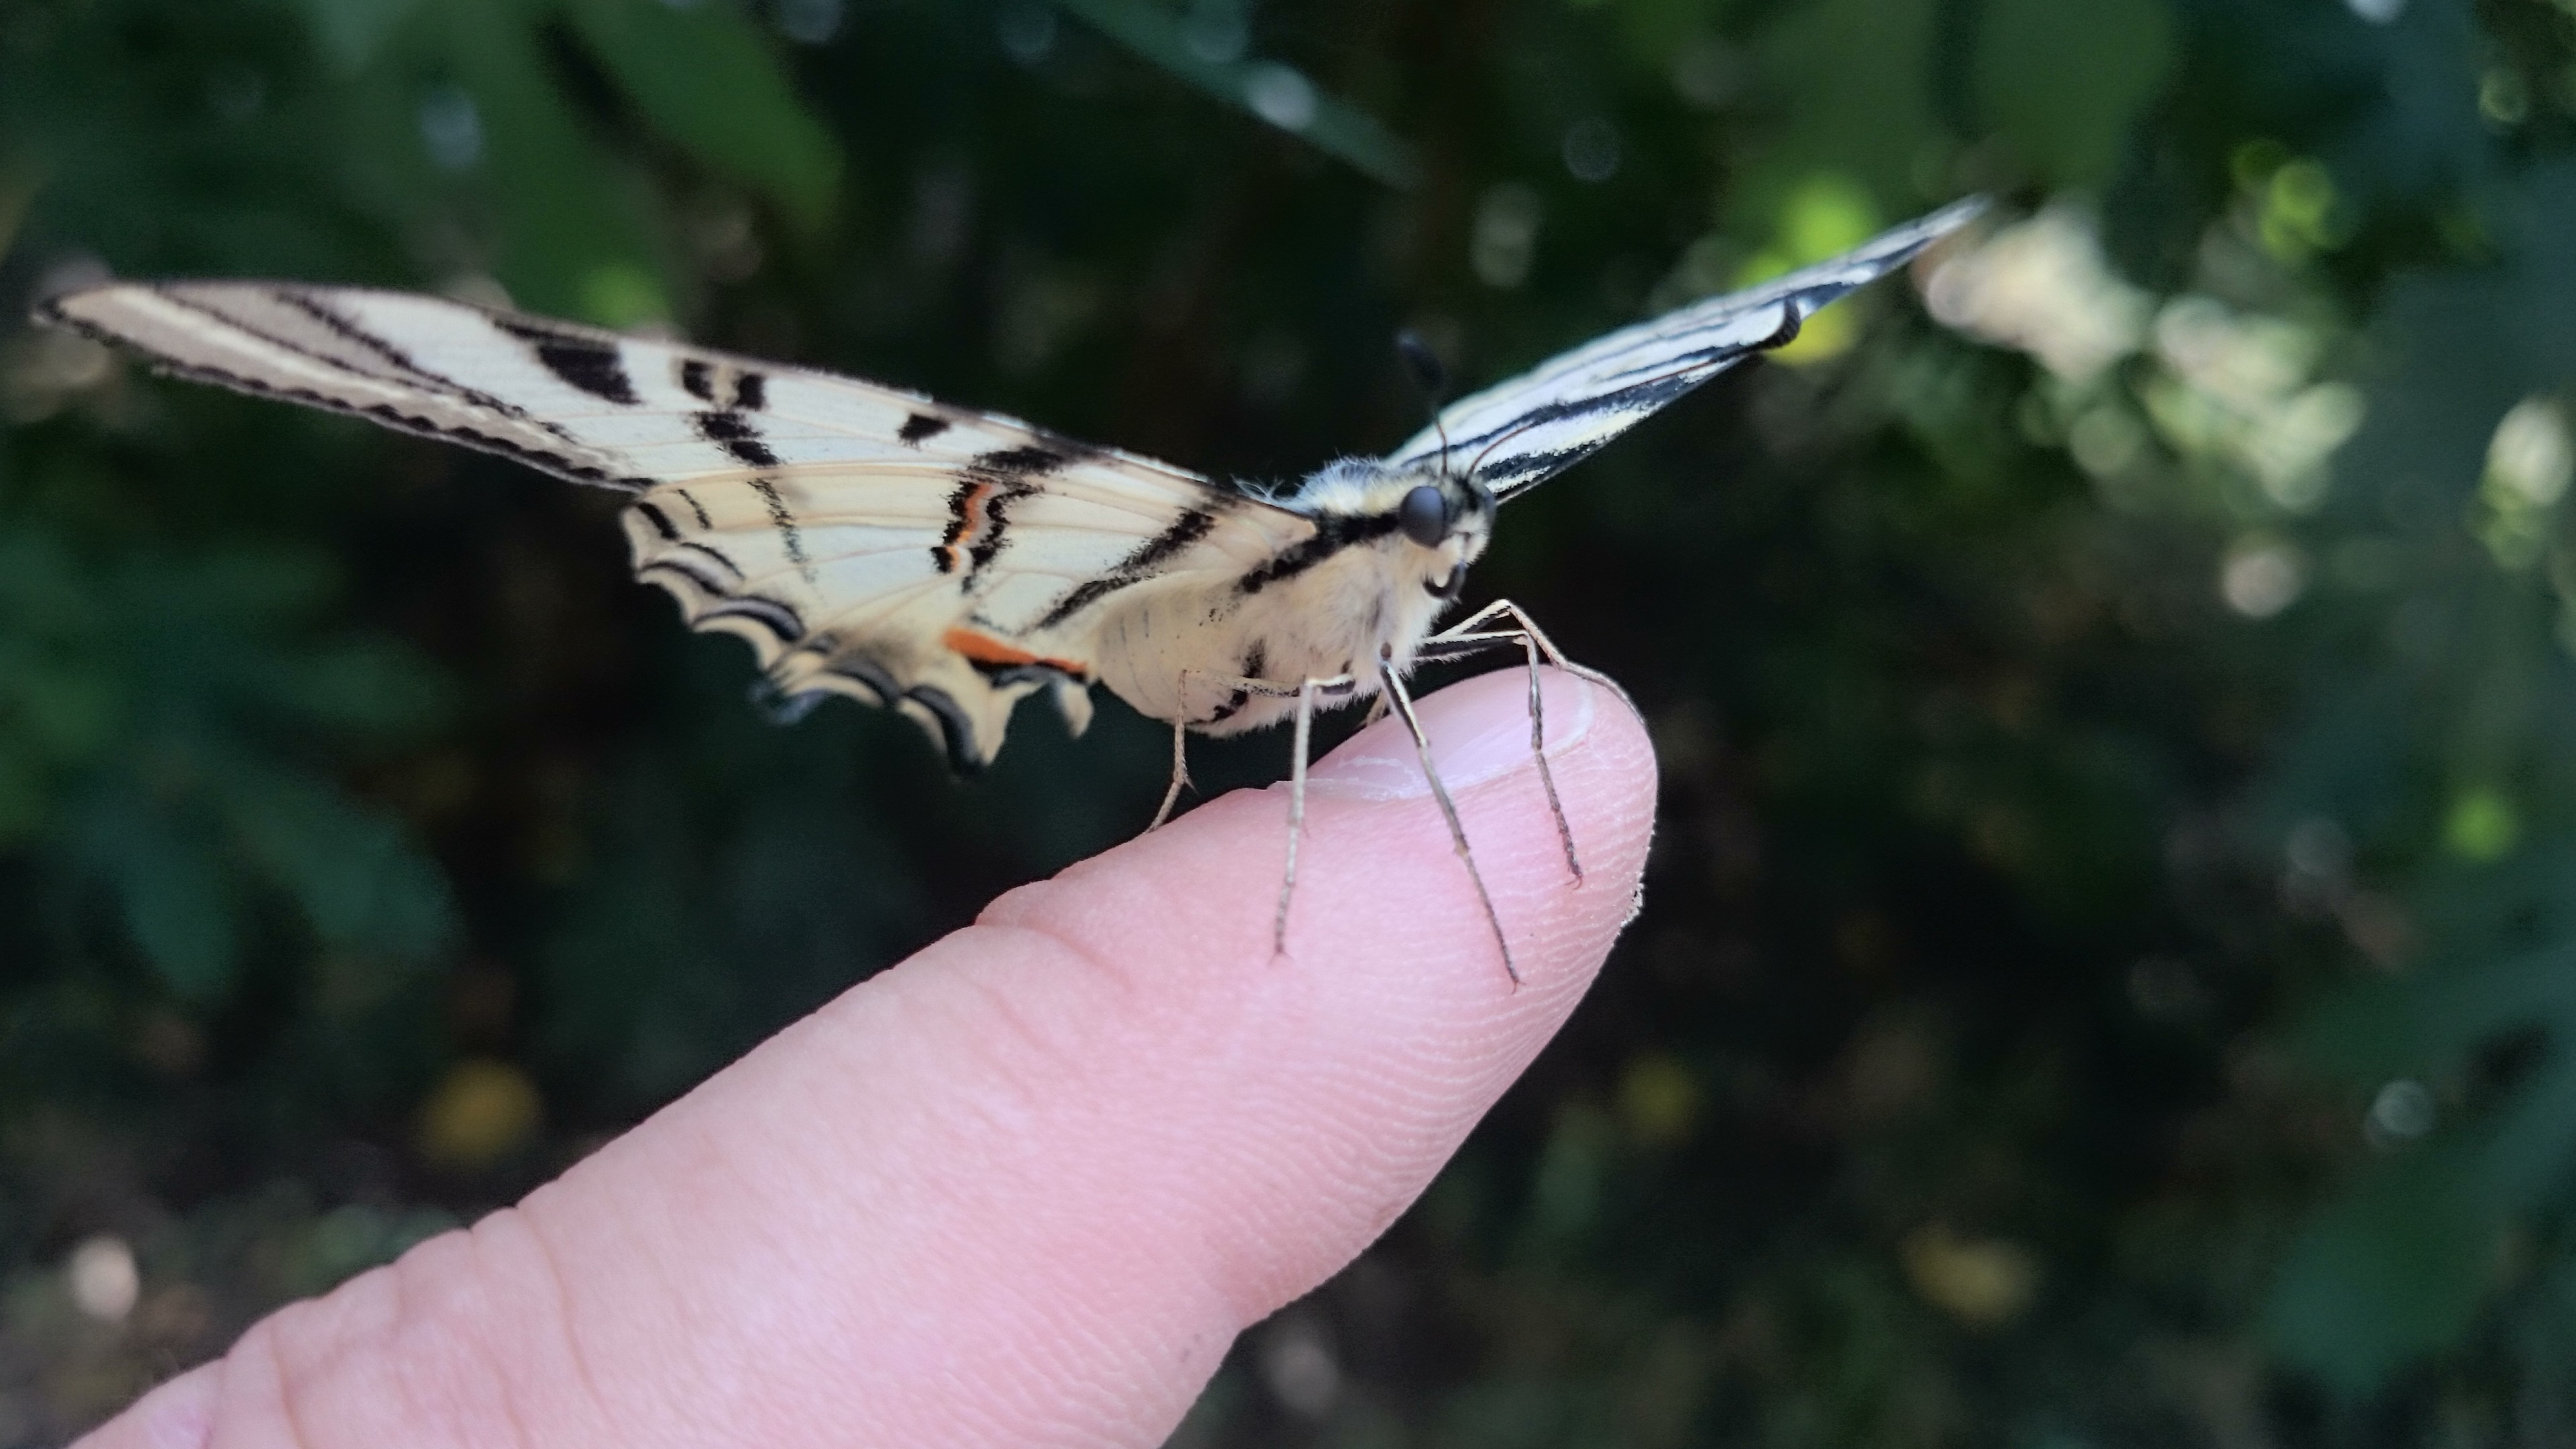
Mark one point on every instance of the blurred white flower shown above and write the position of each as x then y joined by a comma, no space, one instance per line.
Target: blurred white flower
2244,359
2288,452
2529,456
2529,463
2041,286
2235,386
2261,579
103,1278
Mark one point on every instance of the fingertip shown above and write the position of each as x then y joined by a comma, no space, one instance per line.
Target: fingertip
1331,1082
1381,887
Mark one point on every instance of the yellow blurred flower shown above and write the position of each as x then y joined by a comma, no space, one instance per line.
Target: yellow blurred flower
479,1113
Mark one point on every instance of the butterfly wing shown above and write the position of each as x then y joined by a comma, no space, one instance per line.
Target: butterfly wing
1519,433
866,541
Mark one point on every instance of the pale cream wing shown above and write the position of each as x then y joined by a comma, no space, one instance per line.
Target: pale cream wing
866,541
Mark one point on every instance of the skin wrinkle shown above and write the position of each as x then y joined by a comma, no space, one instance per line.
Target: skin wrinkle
567,1324
452,1333
1060,1355
282,1373
257,1351
1008,1073
1187,1136
698,1158
1048,1053
719,1369
1031,1092
904,1019
274,1351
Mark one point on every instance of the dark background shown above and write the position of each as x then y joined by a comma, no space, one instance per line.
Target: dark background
2109,950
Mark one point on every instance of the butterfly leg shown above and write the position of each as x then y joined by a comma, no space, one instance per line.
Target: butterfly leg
1306,692
1521,624
1464,639
1180,776
1305,734
1393,685
1459,646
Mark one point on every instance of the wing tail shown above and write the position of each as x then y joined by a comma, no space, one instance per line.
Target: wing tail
332,348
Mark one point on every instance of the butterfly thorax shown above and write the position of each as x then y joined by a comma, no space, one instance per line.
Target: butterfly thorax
1382,564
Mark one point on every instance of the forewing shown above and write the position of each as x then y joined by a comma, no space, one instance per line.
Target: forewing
865,540
1521,432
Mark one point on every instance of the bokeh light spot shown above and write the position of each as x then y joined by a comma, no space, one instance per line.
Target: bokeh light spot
103,1278
2482,825
480,1112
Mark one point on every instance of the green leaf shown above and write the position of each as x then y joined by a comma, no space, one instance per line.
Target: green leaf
69,711
563,218
1276,94
2391,1272
2526,1152
25,802
369,687
2063,83
1865,111
707,80
170,887
351,32
354,873
2428,1024
2468,342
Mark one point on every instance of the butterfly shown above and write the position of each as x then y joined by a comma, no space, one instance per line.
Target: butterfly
948,563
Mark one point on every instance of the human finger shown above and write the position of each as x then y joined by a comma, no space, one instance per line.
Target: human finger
1027,1186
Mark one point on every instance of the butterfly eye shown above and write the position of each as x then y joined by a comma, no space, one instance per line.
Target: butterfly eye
1424,516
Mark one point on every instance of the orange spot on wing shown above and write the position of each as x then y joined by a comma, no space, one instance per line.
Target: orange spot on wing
970,522
985,649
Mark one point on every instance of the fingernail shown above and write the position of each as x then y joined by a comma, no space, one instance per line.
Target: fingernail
1479,729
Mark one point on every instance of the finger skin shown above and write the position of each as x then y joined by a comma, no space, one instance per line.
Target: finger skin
1025,1188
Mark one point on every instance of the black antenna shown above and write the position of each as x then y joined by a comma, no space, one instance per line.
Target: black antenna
1431,378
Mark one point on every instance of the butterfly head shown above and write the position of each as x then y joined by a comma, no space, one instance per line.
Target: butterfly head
1426,525
1446,522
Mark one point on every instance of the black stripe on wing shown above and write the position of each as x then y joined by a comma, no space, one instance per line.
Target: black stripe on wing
1509,469
979,507
562,465
1524,430
348,329
385,414
589,363
1143,563
735,433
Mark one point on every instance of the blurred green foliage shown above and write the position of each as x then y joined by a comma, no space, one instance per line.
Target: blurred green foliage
2109,962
